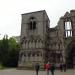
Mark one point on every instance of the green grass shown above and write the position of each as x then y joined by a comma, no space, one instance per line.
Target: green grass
1,67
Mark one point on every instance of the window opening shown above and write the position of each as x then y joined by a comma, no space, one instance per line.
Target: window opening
32,23
68,29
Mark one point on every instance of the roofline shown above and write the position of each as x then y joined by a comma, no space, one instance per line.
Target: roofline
44,11
34,12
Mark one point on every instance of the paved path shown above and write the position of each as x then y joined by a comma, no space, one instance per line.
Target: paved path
31,72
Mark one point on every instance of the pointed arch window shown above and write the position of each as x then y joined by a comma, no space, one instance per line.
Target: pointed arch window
68,29
32,23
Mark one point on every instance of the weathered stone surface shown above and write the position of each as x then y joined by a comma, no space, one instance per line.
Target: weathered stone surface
40,43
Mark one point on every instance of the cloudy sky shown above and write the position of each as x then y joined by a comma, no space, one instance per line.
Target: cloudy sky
11,10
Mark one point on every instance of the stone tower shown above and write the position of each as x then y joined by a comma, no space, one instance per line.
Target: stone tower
34,29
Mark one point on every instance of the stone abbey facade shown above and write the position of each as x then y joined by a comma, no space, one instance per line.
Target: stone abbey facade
40,43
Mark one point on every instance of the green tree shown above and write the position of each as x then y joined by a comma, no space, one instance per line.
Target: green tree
13,53
9,52
4,50
0,50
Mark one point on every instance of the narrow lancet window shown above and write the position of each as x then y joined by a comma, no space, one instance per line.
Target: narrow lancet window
32,24
68,29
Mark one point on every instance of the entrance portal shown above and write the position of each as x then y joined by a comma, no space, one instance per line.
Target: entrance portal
70,59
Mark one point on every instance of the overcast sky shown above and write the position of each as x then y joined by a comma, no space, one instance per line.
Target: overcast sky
11,10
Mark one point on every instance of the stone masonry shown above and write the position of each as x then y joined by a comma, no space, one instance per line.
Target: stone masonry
40,43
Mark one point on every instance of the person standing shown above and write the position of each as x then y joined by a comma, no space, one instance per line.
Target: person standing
53,69
61,67
64,67
47,67
37,67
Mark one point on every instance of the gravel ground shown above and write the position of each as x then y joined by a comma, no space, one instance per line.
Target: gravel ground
32,72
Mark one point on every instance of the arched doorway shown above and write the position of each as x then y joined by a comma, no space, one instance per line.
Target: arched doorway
70,56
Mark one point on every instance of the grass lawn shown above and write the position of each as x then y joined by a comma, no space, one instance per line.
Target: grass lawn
1,67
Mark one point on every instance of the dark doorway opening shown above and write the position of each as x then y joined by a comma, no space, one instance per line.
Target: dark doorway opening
70,60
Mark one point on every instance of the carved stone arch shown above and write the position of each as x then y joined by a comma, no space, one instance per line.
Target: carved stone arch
21,53
33,43
21,57
40,43
32,17
29,43
37,43
70,54
23,42
70,44
23,39
26,44
68,41
32,20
